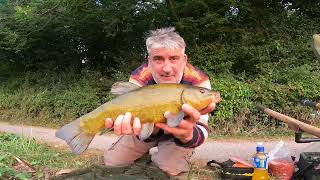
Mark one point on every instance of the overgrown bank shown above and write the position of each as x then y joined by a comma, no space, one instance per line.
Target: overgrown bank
58,99
59,57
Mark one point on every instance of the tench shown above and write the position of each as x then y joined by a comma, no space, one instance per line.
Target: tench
149,103
316,44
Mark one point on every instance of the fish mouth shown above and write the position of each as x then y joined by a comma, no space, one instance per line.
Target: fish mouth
216,97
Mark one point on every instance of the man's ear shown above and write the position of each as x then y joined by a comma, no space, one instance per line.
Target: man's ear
146,57
148,62
186,57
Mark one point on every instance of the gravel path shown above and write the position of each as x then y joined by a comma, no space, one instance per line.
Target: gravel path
220,150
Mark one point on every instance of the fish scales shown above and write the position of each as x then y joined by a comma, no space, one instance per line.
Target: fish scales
147,103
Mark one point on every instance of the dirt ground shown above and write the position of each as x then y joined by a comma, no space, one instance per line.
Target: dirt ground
142,169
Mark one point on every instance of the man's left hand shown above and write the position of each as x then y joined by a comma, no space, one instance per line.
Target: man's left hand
184,131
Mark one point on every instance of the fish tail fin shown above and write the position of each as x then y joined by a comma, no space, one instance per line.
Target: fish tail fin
77,139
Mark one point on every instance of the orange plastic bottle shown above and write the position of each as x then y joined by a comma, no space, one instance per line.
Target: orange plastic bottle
260,161
260,174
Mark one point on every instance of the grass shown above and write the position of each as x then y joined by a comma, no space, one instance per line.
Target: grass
43,158
47,160
201,173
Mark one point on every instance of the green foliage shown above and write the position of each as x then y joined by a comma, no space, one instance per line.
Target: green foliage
303,81
40,156
235,95
211,58
280,91
55,98
59,57
6,161
59,34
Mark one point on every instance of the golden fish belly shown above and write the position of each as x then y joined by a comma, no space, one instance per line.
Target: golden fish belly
147,114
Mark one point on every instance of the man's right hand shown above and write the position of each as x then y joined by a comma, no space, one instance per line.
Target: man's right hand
123,126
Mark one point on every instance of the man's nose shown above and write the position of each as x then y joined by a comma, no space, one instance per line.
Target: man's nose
167,67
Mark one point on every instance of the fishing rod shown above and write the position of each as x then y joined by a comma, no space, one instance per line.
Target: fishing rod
300,126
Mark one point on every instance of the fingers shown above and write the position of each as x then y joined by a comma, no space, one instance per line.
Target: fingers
108,123
126,124
122,125
118,125
194,115
184,131
177,132
136,126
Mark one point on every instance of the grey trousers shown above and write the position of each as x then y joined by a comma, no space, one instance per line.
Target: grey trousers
171,158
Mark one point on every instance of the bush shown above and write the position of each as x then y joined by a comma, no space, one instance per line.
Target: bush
236,96
55,99
61,99
280,91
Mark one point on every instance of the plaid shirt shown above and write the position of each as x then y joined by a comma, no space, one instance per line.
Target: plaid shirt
191,75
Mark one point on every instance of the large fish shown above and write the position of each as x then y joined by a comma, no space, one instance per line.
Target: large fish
149,103
316,44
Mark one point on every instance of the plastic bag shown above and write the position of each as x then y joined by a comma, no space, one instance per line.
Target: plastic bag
280,164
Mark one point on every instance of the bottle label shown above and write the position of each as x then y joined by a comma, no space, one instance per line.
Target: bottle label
261,162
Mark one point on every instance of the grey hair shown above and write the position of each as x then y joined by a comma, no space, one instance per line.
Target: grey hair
165,38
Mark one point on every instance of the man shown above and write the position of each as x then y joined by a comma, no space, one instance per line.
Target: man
167,63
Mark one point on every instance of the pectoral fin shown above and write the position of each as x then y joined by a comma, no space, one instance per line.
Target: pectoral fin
146,131
174,121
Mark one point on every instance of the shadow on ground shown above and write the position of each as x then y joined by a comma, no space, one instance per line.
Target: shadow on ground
142,170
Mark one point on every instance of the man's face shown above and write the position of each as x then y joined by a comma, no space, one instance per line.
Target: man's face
167,65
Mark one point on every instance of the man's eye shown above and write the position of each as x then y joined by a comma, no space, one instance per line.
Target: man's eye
174,58
157,58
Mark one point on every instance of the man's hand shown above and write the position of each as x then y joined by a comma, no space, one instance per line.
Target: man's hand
123,126
184,132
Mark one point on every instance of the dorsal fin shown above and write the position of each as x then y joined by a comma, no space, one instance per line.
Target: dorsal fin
123,87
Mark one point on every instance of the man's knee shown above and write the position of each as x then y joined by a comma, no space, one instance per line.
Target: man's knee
172,159
112,160
125,151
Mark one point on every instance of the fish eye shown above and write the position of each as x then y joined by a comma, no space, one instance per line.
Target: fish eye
202,90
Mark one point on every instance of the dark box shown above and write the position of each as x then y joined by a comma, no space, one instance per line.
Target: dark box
306,159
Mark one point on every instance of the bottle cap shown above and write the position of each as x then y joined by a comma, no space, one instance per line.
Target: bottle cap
260,147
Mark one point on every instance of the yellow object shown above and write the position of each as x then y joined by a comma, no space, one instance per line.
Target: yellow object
149,103
260,174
